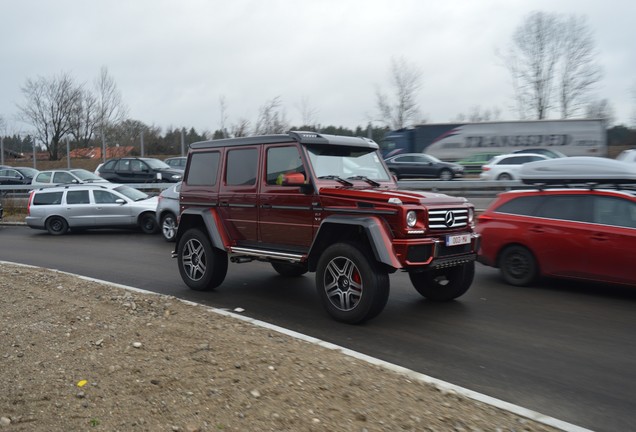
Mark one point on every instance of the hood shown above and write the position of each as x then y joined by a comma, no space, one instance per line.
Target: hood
383,195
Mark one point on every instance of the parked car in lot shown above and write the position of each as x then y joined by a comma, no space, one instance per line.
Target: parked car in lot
168,211
627,156
551,153
420,165
507,166
86,206
56,177
581,232
472,164
138,170
17,175
178,162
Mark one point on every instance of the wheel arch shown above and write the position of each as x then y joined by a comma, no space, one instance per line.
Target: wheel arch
371,231
518,244
204,219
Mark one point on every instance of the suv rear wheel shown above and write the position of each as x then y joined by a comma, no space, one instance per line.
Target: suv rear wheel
444,285
202,266
289,269
351,286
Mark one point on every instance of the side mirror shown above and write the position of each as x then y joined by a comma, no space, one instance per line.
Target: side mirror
291,179
120,201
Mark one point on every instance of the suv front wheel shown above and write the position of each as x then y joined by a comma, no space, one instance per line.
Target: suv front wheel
202,267
444,285
350,284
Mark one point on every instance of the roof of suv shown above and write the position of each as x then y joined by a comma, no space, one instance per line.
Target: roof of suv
105,185
302,137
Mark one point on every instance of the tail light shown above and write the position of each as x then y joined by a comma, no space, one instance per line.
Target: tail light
31,194
485,168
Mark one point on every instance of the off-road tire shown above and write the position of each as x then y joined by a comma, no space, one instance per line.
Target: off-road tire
443,284
56,225
289,269
168,227
352,286
518,266
202,267
148,223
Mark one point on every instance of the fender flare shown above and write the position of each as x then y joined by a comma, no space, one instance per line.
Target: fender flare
374,229
211,222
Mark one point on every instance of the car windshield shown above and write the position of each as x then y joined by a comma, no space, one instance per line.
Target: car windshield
132,193
346,162
28,172
157,164
86,175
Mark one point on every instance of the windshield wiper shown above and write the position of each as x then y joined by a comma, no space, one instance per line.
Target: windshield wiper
336,178
365,178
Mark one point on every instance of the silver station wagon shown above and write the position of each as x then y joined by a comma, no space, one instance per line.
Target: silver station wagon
87,206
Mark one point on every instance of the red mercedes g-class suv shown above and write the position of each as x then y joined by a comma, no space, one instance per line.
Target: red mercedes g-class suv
306,201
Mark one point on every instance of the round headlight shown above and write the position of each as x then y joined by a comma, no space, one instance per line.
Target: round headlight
411,218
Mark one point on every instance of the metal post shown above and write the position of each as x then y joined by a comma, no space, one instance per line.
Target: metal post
103,145
1,150
68,154
182,142
34,163
142,144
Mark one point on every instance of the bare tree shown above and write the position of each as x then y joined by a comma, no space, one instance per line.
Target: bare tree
600,109
477,114
110,106
402,110
308,113
84,120
49,107
551,57
223,110
532,61
271,118
578,71
240,129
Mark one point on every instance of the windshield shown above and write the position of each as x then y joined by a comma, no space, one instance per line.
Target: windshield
27,172
132,193
86,175
346,162
157,164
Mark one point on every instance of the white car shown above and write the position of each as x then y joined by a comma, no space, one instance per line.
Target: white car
507,166
627,156
62,176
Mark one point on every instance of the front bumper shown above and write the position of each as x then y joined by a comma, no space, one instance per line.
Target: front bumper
433,252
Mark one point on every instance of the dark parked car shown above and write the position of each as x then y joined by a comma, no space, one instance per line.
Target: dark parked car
582,232
178,162
138,170
419,165
17,175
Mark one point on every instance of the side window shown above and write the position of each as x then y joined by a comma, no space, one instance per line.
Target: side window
77,197
204,169
566,207
524,205
282,160
614,211
44,177
104,197
137,165
62,177
123,165
47,198
110,164
241,167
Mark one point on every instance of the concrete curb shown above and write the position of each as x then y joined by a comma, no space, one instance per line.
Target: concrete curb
413,375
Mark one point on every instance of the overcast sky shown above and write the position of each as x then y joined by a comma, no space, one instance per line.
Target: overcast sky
173,60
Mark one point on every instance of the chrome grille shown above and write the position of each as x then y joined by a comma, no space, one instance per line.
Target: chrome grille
447,218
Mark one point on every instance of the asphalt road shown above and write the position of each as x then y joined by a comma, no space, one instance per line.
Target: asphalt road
564,349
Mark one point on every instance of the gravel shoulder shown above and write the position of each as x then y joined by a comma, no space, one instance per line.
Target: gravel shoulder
80,355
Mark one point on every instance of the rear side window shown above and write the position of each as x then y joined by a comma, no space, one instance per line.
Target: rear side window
615,212
524,206
77,197
62,177
204,169
241,167
566,207
47,198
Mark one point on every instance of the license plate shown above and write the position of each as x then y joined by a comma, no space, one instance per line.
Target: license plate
456,240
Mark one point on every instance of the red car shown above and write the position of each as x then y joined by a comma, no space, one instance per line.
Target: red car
583,233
